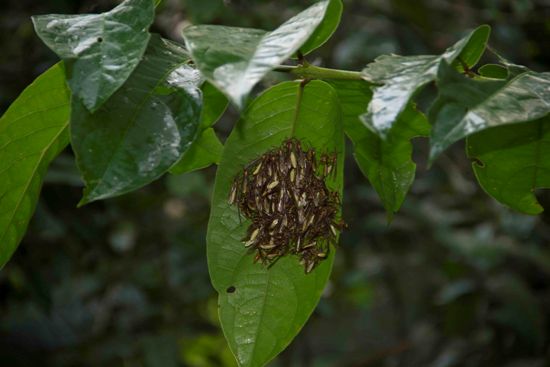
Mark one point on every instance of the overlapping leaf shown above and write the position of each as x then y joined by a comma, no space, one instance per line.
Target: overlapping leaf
268,307
512,161
32,133
235,59
466,106
386,163
143,129
403,76
325,29
493,71
100,50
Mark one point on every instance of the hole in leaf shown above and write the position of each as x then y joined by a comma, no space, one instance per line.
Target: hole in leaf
99,39
478,162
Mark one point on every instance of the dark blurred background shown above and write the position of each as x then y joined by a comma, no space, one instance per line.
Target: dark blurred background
455,280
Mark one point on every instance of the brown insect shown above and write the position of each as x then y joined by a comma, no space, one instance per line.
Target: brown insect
284,194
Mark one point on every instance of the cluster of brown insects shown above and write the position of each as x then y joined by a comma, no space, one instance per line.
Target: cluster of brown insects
284,194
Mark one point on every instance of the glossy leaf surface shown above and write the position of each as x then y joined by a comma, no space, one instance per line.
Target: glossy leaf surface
511,162
466,106
268,306
33,131
235,59
325,29
143,129
403,76
386,163
100,50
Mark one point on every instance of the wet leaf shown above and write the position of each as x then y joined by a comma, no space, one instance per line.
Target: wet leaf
266,308
235,59
33,131
465,106
511,162
143,129
386,163
100,50
403,76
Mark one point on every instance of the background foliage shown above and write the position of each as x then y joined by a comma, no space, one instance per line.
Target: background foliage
456,280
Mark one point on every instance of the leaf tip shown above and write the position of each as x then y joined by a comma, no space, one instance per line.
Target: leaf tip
83,202
87,197
484,28
435,152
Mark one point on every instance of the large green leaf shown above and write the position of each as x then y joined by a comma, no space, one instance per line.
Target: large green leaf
511,161
143,129
325,29
268,306
235,59
386,163
100,50
403,76
465,106
32,133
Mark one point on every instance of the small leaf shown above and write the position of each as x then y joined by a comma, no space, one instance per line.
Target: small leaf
511,162
266,308
207,148
325,29
214,105
204,151
100,50
143,129
235,59
33,131
403,76
494,71
473,48
386,163
465,106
